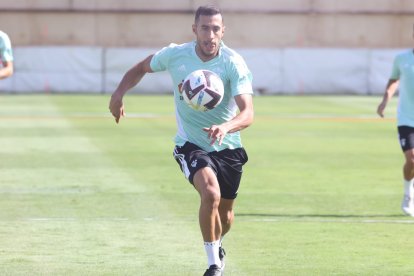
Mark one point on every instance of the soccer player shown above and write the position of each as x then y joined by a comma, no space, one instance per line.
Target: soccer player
6,56
208,145
402,77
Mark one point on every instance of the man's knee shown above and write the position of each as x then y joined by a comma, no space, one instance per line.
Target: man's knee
409,158
227,217
226,211
211,197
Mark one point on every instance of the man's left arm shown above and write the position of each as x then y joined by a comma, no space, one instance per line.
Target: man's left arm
242,120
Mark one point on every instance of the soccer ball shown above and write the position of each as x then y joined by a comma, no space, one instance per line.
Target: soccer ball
203,90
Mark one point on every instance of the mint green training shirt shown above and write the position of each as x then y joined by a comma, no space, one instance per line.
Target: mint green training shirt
6,53
181,60
403,70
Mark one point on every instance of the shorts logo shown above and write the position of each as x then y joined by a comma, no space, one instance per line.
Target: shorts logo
402,141
194,163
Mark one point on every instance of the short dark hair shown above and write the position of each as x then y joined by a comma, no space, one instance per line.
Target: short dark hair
206,10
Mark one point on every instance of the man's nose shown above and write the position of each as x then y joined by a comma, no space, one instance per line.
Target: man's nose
210,33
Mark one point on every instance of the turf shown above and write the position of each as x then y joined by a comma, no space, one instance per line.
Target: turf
81,195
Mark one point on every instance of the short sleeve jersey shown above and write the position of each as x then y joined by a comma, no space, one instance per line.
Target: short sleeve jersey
181,60
403,70
6,53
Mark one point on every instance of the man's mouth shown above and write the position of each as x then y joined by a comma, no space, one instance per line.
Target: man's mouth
210,45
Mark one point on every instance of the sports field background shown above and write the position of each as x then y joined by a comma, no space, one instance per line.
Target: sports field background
80,195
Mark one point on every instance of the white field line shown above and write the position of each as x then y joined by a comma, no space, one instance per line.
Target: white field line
44,219
345,221
312,116
265,220
75,115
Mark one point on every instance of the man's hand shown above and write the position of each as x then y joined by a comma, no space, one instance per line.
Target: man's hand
381,108
116,107
216,133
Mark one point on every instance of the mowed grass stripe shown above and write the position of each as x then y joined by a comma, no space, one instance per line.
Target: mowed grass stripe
68,208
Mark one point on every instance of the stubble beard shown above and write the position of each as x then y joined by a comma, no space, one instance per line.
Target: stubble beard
206,53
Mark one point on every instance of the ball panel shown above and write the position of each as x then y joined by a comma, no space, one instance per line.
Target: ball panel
191,92
215,98
203,90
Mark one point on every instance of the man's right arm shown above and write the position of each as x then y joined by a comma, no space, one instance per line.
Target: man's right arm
130,79
389,92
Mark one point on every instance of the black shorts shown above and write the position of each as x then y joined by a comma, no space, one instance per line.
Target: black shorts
406,137
227,165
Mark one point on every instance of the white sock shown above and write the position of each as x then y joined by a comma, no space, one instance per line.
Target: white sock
409,188
221,241
212,251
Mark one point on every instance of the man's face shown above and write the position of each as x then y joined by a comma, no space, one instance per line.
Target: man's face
209,31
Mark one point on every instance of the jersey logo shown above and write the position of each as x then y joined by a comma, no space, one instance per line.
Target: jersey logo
181,68
180,87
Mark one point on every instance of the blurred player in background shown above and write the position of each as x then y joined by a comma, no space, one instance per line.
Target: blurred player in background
6,56
402,77
208,146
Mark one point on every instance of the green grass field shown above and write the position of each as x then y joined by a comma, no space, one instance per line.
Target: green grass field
80,195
